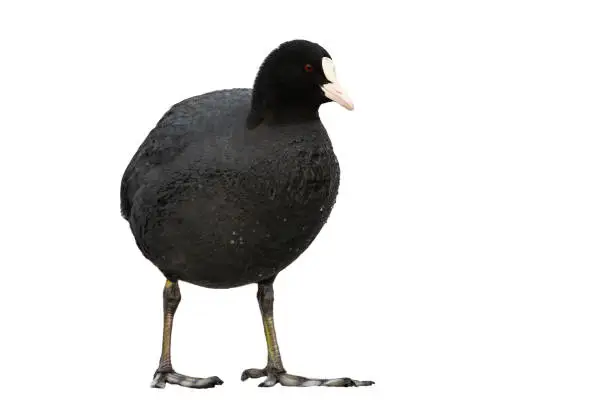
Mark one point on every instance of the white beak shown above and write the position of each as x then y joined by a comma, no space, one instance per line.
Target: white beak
333,90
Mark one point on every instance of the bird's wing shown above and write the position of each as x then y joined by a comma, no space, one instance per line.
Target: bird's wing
163,144
208,115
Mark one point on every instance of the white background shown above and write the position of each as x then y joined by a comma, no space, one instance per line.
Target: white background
467,262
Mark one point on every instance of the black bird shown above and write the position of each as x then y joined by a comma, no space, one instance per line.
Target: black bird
231,186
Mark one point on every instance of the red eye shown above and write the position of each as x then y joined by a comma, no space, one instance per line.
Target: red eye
308,68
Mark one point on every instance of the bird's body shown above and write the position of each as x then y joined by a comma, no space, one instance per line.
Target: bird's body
231,186
215,204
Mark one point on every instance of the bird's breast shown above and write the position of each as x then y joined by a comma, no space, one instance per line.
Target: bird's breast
310,175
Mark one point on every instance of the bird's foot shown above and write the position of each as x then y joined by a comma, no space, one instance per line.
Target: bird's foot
275,376
160,379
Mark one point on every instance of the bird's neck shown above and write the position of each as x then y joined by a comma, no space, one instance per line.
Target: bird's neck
278,110
291,114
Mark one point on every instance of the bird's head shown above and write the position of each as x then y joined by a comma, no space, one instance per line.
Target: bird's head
295,78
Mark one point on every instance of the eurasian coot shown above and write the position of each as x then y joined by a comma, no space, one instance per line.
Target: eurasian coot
231,186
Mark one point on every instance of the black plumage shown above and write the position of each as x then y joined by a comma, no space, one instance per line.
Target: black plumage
231,186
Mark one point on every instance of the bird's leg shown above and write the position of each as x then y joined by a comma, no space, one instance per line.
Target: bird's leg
165,373
265,298
274,371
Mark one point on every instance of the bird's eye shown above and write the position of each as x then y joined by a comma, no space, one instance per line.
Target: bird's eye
308,68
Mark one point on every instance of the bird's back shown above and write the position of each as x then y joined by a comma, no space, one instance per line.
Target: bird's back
214,203
207,119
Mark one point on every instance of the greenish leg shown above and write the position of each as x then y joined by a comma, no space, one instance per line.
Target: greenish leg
165,374
274,370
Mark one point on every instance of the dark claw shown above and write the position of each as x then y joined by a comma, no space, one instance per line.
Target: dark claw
289,380
161,379
252,373
271,381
